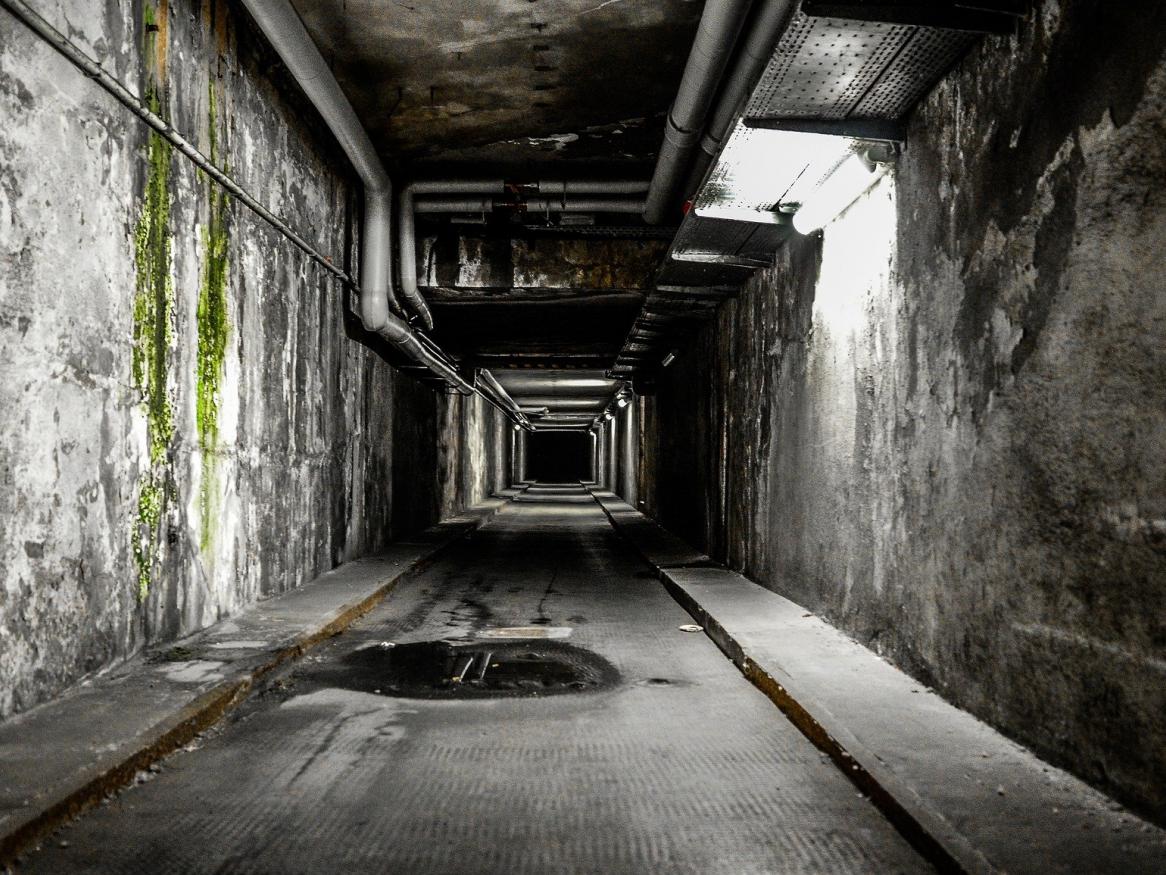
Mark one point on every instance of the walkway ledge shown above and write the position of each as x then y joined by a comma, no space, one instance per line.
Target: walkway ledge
969,799
68,755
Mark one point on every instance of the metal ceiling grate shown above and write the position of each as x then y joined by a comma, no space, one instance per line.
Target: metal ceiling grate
824,66
908,77
832,68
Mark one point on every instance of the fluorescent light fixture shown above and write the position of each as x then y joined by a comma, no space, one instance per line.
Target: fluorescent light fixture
755,215
668,359
851,179
760,170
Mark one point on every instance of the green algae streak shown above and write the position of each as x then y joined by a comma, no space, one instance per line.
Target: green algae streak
153,333
213,328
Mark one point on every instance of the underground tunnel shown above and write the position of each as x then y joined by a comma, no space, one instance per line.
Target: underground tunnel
508,436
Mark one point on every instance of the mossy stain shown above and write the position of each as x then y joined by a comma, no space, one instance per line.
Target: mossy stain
153,323
213,324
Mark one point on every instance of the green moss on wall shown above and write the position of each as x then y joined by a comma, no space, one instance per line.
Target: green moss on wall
153,323
213,324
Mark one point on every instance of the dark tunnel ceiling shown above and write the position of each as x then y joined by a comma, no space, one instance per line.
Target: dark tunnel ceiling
566,89
507,82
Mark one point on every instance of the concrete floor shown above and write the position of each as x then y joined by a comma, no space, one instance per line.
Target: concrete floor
680,766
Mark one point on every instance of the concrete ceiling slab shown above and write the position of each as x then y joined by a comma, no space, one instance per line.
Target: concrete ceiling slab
579,393
513,79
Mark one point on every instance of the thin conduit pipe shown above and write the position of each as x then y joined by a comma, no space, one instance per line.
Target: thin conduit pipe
134,104
503,396
757,49
720,24
409,206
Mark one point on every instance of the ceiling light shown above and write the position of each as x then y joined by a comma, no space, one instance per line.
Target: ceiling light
609,415
853,177
760,170
622,402
668,359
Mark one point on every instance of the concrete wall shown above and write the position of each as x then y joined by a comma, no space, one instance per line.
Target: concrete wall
187,428
472,451
942,425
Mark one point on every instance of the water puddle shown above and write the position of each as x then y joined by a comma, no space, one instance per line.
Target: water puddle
473,670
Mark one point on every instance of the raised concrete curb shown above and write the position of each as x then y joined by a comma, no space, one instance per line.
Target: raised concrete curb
968,798
68,755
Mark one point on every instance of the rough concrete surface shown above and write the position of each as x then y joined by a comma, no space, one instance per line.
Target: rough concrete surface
534,80
189,427
977,801
942,424
68,755
681,766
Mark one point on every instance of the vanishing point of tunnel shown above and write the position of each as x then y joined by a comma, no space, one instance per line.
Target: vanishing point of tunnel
567,436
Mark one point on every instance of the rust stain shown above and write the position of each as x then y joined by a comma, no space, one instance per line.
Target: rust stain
222,31
161,43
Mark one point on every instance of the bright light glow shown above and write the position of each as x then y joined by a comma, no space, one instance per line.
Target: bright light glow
757,216
668,359
608,416
622,402
849,181
855,280
759,169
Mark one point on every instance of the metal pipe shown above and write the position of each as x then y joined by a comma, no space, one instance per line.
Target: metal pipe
720,24
587,186
27,16
585,205
409,207
435,206
505,401
407,233
756,50
282,26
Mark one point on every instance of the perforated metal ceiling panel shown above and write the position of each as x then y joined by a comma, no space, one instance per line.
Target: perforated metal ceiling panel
831,68
926,56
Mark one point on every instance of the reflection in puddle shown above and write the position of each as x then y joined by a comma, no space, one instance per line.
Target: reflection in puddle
482,669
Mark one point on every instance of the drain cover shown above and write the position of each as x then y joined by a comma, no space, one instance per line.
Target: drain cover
526,632
483,669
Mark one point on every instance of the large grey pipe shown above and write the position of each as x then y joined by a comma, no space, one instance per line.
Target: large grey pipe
291,41
716,35
406,230
756,50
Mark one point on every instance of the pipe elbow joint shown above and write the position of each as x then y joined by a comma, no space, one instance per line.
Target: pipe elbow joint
374,310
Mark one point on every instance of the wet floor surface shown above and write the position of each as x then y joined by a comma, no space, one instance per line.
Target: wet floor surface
527,704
